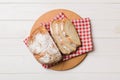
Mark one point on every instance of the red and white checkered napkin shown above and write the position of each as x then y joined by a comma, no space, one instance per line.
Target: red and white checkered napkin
83,28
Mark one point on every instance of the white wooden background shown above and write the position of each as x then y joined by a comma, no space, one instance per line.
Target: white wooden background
17,18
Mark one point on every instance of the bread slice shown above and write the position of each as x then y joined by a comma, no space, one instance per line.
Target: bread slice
43,47
65,35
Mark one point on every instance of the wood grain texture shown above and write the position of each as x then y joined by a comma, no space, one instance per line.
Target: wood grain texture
16,47
63,76
26,11
100,28
16,19
60,1
28,65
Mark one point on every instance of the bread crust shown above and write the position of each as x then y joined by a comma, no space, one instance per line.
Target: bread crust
65,35
43,47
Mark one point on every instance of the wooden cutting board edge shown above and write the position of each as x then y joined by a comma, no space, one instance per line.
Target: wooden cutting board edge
69,64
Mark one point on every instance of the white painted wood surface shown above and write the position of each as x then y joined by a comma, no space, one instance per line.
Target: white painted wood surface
17,18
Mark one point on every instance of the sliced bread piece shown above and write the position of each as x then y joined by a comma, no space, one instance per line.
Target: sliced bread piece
65,35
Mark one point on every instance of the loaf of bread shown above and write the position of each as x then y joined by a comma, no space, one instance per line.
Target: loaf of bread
65,35
43,47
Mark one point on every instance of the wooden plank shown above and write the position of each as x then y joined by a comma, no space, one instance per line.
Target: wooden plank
106,28
13,47
62,75
33,11
28,65
15,29
63,1
21,29
9,47
106,47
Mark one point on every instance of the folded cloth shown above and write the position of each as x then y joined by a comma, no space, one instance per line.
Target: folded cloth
83,28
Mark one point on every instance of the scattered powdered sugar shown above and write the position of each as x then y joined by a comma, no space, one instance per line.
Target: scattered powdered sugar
39,44
43,43
45,59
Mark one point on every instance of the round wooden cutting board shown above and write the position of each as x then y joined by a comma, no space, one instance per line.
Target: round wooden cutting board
47,17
